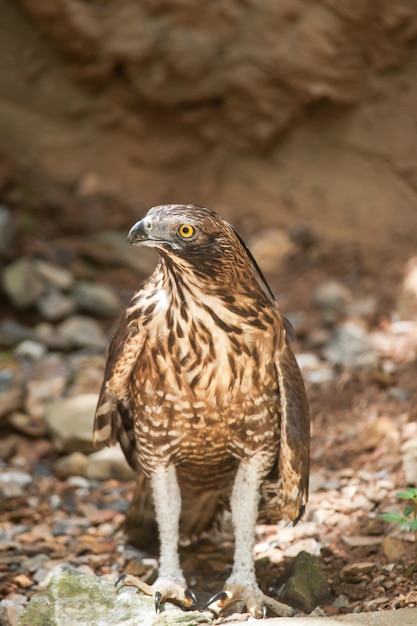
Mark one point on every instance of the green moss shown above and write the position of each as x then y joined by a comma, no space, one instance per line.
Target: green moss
40,612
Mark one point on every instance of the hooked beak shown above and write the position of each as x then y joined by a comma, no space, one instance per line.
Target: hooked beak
138,233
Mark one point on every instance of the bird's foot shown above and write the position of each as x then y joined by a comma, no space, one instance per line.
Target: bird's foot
256,602
163,590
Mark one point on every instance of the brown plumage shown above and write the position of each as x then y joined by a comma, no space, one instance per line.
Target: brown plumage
204,395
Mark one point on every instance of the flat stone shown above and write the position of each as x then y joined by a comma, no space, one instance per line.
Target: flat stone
70,422
39,391
22,283
12,484
96,298
73,464
358,541
309,545
27,424
11,332
318,480
108,463
352,347
342,602
49,335
314,370
52,366
30,349
11,394
399,617
54,275
333,295
55,305
111,249
375,603
82,332
356,572
11,608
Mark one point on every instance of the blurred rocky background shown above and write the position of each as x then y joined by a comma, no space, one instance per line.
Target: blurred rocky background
275,111
297,121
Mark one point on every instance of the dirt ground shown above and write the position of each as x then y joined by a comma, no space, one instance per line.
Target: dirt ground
359,423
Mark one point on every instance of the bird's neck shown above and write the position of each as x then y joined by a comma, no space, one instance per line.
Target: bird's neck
221,280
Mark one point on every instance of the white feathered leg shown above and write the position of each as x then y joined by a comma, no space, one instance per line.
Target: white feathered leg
170,585
241,584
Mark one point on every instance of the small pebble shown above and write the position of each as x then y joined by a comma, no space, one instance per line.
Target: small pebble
12,484
29,349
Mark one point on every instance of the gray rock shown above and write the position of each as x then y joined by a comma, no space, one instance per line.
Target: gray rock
49,335
317,481
12,484
54,305
314,370
342,602
357,572
332,295
307,586
73,598
27,424
11,393
360,541
11,608
351,346
364,307
70,422
96,299
74,464
308,544
30,349
7,230
22,283
54,275
80,331
39,391
50,367
111,248
109,463
11,332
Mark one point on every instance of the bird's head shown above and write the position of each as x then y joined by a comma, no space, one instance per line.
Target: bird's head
182,230
198,238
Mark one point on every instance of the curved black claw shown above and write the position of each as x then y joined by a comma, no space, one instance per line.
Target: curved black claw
190,594
119,580
158,597
194,606
220,595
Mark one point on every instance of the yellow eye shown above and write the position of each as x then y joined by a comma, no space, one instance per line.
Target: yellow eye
186,231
